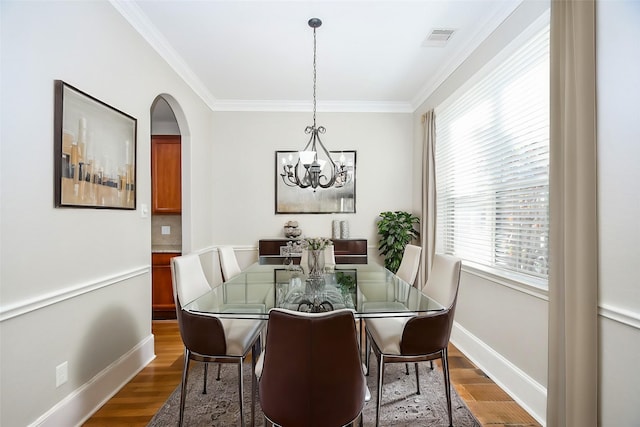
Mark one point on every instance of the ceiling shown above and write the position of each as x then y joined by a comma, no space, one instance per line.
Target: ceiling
258,55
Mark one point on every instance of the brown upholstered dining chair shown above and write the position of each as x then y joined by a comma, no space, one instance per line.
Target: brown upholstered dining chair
419,338
310,374
207,338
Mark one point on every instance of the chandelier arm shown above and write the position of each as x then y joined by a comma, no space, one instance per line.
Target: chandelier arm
301,182
332,165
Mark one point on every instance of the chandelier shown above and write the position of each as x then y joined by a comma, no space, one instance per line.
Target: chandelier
314,157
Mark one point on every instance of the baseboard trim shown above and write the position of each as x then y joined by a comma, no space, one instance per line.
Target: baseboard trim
529,394
83,402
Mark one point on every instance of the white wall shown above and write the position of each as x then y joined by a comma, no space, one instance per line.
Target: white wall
244,171
75,283
618,54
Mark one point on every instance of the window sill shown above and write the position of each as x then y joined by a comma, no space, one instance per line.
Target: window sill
534,287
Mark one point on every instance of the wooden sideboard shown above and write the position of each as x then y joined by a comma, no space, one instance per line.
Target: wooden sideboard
346,251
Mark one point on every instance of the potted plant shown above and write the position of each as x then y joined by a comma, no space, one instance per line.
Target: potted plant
396,230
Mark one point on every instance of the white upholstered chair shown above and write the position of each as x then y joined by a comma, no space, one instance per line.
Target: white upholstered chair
410,262
422,337
207,338
228,262
329,256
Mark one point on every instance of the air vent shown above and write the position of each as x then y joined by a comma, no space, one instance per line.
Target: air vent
438,37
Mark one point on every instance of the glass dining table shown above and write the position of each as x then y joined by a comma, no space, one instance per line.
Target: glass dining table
370,290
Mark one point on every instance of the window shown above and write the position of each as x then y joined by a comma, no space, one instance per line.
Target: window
492,166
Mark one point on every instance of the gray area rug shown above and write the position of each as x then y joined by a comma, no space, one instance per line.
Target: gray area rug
401,406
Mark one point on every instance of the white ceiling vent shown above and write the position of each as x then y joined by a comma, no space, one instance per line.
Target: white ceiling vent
438,37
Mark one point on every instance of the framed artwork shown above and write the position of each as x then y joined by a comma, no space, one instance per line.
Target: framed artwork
339,198
95,152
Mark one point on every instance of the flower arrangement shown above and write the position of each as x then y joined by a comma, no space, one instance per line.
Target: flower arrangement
317,243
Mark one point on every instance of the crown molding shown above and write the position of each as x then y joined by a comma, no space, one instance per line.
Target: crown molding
139,21
307,106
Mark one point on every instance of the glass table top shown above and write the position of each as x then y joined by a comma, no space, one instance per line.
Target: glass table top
369,290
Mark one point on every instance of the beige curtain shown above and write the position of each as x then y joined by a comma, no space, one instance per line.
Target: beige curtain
428,214
572,392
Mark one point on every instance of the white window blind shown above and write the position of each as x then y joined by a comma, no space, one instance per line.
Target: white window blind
492,166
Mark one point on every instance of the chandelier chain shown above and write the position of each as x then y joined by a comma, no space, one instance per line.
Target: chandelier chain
314,77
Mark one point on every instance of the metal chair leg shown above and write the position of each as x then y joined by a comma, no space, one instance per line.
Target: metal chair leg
204,380
241,393
219,366
380,376
254,386
406,369
447,382
367,353
417,378
183,389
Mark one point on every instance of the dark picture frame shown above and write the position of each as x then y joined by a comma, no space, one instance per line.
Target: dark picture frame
94,152
295,200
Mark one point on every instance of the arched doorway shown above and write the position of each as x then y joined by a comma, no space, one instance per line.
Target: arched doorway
166,200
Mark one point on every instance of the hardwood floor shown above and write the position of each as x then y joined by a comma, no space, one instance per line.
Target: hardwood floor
141,398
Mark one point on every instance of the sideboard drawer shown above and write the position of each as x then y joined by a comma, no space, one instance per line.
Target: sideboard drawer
346,251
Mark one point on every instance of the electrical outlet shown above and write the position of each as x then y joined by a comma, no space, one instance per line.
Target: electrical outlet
62,373
166,229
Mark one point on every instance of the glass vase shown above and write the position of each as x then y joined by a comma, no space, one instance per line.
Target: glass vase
316,262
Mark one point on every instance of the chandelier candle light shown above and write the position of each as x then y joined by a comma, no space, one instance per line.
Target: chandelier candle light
314,175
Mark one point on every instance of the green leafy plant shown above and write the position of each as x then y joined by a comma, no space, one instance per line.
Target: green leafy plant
396,230
346,282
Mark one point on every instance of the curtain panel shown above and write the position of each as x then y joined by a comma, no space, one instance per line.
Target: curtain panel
428,223
572,390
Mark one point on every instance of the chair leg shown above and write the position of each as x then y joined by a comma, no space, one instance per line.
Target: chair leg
241,393
361,331
447,382
431,363
406,369
417,378
380,376
183,389
219,366
254,386
367,353
204,380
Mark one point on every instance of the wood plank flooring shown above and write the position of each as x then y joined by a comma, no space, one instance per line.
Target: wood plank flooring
141,398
